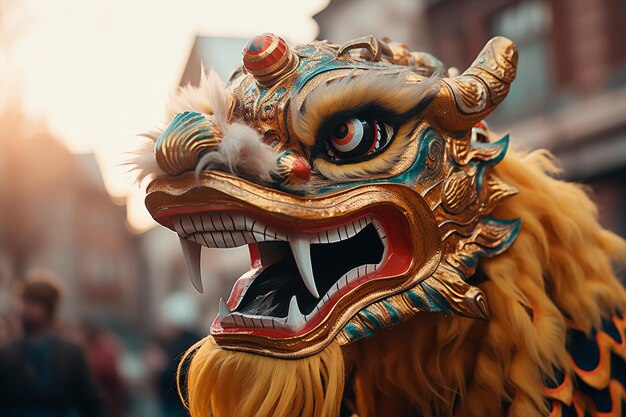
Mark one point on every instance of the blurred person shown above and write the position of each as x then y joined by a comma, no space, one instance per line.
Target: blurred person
102,352
9,326
5,330
179,314
9,320
41,373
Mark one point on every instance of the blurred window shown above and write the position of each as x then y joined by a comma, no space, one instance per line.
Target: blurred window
528,24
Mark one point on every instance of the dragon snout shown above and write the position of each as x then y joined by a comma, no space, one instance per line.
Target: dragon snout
194,141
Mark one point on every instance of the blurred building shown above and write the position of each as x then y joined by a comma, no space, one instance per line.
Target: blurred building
57,214
220,53
570,92
399,20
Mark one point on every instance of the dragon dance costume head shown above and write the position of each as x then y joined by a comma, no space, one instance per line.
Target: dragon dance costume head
378,213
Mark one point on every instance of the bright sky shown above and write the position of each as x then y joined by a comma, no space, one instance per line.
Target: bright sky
100,71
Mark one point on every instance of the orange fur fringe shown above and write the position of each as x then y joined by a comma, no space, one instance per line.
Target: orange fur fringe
223,383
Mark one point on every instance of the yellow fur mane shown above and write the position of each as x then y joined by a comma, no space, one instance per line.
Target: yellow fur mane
558,270
558,273
222,383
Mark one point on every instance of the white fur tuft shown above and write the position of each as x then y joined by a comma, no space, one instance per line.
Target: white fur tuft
142,163
241,151
208,98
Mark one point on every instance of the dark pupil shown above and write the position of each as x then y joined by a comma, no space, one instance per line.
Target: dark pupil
341,131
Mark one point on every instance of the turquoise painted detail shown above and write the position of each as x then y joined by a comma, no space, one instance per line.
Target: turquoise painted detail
322,62
437,302
513,225
354,333
253,46
392,311
408,177
469,261
432,300
417,301
429,302
184,123
372,318
502,145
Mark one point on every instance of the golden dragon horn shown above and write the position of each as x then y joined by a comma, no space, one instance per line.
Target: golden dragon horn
466,99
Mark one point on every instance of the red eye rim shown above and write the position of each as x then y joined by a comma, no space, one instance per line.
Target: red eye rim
376,137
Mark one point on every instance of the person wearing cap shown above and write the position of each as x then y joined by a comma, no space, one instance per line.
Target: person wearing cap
41,373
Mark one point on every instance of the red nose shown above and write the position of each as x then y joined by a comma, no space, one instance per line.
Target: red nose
301,169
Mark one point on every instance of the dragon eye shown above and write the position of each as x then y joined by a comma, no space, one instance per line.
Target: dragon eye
355,137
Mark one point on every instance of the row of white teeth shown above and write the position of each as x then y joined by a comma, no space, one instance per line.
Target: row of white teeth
231,230
220,230
295,319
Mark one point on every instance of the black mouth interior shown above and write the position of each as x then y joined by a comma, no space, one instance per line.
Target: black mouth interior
270,292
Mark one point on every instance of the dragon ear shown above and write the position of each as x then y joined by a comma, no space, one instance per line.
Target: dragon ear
466,99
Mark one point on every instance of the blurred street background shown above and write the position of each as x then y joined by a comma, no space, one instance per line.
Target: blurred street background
79,80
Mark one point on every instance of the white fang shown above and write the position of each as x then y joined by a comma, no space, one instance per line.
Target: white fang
301,249
192,252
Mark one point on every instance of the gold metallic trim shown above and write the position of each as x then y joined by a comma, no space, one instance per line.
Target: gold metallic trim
217,189
374,48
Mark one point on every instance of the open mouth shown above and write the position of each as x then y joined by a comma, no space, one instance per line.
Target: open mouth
297,277
316,262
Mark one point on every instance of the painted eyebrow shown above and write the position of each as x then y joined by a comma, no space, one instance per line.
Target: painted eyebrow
399,93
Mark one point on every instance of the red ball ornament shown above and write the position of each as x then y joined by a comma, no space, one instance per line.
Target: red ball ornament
268,58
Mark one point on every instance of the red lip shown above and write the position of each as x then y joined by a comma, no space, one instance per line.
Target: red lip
397,260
